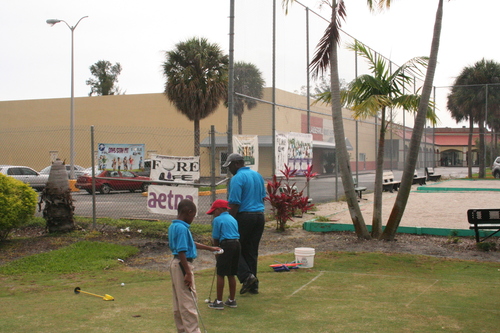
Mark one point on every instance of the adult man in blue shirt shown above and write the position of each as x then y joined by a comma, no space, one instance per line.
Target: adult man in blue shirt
246,200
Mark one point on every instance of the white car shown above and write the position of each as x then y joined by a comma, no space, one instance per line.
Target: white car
26,175
79,171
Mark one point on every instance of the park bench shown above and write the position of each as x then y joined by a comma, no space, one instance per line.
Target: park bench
431,175
418,179
388,182
488,219
359,189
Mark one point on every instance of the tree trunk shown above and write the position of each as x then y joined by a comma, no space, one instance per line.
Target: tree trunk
481,156
196,137
469,148
379,171
59,209
240,124
409,169
340,144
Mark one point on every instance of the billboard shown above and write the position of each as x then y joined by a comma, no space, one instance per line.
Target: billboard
118,156
178,169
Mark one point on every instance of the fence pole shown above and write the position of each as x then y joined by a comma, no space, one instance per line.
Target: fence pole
92,158
212,163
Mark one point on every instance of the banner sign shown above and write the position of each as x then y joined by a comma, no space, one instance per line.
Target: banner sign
295,150
120,157
248,147
165,199
179,169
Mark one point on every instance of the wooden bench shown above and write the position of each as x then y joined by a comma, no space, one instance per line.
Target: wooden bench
431,175
418,180
359,189
488,219
388,182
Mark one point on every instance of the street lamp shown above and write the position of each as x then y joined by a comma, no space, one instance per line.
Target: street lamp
72,121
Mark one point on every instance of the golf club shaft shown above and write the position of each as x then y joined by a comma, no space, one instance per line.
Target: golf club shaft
198,310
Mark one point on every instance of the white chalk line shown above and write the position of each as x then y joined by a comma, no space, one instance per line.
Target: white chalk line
305,285
423,292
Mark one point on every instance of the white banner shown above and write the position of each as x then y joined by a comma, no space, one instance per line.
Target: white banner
281,153
178,169
248,147
294,150
164,199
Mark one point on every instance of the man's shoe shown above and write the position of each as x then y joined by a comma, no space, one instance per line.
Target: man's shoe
217,305
254,291
249,281
231,304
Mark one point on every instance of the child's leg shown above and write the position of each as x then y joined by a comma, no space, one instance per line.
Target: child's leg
220,287
232,286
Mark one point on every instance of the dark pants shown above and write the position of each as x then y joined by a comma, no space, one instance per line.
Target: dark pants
250,227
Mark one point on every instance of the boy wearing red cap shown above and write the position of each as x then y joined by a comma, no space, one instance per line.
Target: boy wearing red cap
225,235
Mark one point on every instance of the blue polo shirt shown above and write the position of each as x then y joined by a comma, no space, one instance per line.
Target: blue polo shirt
225,227
180,239
247,190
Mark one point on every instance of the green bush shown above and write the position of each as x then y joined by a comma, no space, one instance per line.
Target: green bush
17,204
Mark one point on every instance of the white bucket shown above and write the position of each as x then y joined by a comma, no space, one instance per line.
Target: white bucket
304,256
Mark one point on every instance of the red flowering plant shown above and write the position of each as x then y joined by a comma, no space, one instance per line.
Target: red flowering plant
285,198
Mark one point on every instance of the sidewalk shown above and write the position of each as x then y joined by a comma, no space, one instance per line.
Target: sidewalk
436,209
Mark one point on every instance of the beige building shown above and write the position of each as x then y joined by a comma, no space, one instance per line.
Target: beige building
34,132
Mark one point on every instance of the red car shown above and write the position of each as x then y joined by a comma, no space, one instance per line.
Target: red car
122,180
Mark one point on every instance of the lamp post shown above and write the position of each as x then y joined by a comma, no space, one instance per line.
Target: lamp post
72,112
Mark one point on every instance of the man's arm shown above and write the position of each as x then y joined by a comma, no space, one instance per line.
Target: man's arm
233,209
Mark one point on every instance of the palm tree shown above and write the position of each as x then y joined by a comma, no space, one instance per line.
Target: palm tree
247,81
197,79
326,57
369,93
106,77
409,168
468,98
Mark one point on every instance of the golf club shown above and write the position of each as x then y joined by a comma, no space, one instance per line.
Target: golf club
209,299
106,297
198,310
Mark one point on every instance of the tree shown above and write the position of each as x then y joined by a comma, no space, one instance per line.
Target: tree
370,93
326,57
105,78
418,129
247,81
197,79
470,96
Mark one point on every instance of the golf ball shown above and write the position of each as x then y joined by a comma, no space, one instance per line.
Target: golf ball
123,284
207,301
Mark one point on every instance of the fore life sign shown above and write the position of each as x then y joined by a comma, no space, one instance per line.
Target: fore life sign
176,169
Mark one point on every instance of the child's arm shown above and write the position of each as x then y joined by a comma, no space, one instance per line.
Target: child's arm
186,269
206,247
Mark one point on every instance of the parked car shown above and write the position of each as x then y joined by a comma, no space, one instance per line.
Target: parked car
122,180
88,171
26,175
146,169
495,168
79,171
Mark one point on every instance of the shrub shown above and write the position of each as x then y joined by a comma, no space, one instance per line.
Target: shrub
285,198
17,204
486,246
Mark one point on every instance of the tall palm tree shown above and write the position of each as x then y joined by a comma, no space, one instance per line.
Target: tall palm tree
326,57
468,99
418,129
382,89
247,81
197,79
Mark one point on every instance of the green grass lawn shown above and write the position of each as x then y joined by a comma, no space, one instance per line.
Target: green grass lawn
343,292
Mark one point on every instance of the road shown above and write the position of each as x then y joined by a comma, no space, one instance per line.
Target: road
133,205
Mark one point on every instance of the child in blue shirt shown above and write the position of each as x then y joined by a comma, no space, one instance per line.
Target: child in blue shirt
225,234
183,248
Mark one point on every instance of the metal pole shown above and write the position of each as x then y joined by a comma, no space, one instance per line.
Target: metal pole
308,87
212,163
72,121
230,99
357,133
94,214
485,124
273,135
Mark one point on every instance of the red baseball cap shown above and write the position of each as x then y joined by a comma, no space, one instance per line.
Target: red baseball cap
219,203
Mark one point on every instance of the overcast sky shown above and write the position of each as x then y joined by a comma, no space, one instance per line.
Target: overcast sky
35,58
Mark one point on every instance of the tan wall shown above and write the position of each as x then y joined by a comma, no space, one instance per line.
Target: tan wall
31,129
